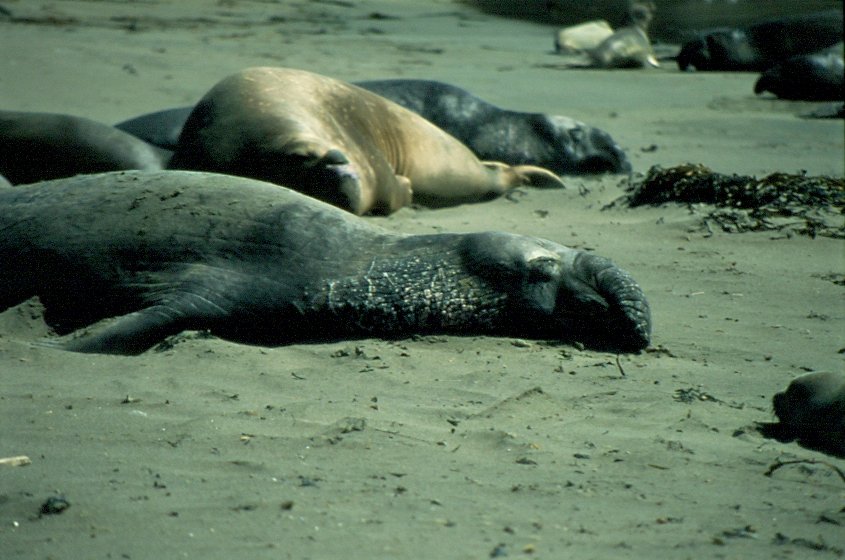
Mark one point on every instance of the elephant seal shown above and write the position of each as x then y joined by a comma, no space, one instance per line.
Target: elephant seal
554,142
815,77
760,46
560,144
584,36
339,143
811,411
42,146
626,48
629,46
162,252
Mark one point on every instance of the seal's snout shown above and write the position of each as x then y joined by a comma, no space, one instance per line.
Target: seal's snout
624,325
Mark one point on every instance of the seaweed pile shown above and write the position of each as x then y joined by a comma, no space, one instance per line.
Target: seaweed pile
809,205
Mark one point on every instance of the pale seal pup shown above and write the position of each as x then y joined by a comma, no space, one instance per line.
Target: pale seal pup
168,251
339,143
41,146
629,46
584,36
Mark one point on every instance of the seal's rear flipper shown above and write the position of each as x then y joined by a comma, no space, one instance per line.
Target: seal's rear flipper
539,177
505,177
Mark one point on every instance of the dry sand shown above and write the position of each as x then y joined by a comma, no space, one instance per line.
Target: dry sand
436,447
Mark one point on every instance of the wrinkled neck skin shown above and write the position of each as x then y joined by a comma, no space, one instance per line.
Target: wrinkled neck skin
420,285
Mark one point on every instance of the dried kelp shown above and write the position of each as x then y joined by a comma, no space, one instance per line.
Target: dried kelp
810,205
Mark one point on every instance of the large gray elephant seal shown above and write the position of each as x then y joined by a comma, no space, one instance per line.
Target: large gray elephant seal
560,144
42,146
812,411
814,77
762,45
339,143
163,252
555,142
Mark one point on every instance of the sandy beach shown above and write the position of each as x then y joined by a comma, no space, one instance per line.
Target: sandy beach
438,446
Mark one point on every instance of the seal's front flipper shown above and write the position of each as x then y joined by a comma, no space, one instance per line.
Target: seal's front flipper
139,331
130,334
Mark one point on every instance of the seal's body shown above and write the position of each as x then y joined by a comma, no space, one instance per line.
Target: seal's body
582,37
337,142
42,146
759,47
555,142
249,261
812,411
815,77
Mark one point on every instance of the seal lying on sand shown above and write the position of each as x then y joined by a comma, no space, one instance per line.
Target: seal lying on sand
253,262
811,411
41,146
339,143
582,37
629,46
815,77
557,143
760,46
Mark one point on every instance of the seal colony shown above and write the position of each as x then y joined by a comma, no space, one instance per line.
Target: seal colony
162,252
339,143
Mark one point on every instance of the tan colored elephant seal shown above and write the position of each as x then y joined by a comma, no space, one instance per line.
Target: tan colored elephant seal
339,143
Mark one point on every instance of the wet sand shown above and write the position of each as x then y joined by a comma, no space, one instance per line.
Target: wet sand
437,446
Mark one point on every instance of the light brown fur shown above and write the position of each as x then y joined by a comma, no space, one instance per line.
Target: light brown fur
337,142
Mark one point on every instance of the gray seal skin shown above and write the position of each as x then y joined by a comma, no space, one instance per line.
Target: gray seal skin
811,411
252,262
337,142
816,77
558,143
159,128
561,144
42,146
760,46
4,183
